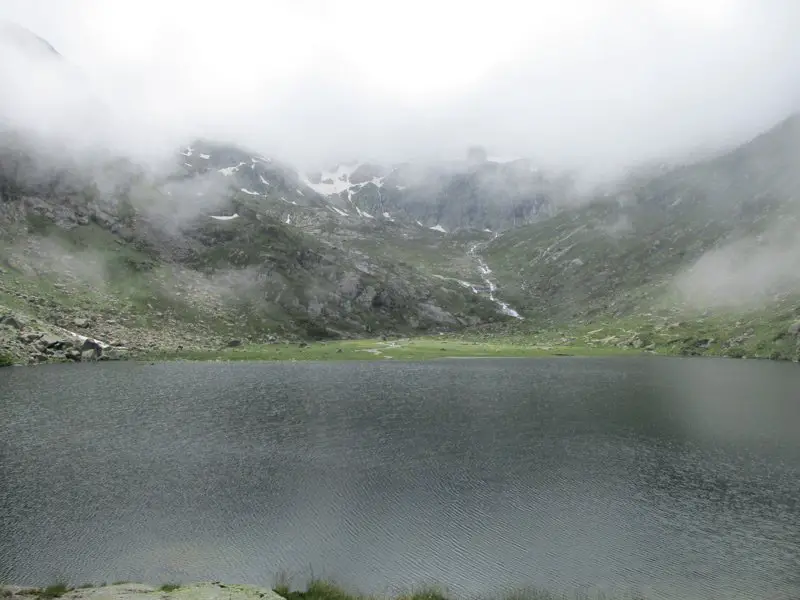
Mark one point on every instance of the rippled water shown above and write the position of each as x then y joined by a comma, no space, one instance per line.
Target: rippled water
675,478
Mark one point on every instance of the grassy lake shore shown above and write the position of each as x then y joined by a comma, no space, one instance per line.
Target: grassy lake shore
377,349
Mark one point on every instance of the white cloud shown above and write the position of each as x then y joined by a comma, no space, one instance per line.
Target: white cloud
576,81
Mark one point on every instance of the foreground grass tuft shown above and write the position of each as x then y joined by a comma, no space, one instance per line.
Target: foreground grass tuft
55,590
318,589
169,587
6,360
427,593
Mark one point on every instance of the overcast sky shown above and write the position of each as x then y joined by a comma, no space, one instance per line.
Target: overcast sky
599,83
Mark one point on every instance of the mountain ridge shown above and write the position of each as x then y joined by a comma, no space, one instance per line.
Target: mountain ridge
228,245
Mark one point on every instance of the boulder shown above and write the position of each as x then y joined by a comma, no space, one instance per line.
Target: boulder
116,354
11,321
794,329
81,322
29,338
91,346
53,342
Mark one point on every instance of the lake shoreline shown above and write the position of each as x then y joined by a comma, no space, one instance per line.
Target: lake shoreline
314,589
403,349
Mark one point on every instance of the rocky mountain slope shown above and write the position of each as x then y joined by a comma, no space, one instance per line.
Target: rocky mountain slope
242,250
100,257
712,245
479,192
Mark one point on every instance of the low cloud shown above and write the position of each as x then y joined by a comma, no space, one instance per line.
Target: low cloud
747,273
577,84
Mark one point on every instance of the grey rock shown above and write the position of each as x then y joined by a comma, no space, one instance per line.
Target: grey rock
51,341
794,329
11,321
81,322
116,354
30,337
90,345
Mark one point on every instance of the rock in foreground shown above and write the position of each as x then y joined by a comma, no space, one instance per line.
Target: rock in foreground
136,591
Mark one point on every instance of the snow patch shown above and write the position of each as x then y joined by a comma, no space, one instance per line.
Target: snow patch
82,338
400,187
225,218
340,212
340,179
299,191
363,213
228,171
264,181
420,224
205,156
188,152
251,192
288,220
188,165
437,227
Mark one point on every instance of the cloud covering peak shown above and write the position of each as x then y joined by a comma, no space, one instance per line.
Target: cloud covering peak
596,85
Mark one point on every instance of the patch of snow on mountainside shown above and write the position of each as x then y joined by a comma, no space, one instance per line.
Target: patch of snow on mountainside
188,152
339,180
251,192
264,181
363,213
225,218
205,156
437,228
340,212
228,171
288,220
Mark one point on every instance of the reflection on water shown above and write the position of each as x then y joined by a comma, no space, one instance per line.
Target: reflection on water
676,478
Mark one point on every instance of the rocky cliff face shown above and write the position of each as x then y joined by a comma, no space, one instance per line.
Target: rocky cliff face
479,194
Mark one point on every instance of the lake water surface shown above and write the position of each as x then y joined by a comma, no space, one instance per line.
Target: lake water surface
677,478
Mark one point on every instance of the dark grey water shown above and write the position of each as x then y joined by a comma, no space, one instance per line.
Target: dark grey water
676,478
